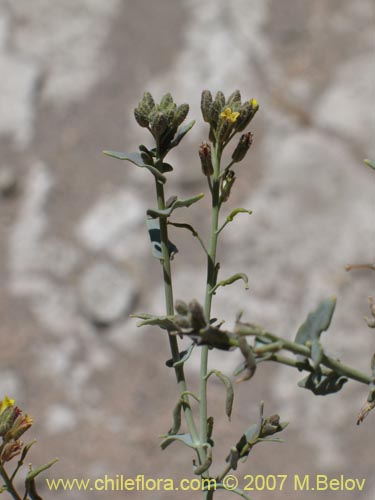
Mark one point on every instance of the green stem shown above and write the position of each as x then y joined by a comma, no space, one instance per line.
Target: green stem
9,484
288,345
210,283
168,289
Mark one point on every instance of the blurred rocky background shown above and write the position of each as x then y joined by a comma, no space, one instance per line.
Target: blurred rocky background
75,257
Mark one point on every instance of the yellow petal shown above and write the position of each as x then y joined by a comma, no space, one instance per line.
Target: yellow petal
5,403
233,116
226,113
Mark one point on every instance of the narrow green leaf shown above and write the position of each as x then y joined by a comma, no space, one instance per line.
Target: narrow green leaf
176,418
237,211
35,472
229,387
164,322
178,203
183,438
210,427
248,438
232,279
25,451
317,322
241,368
321,385
248,354
181,134
232,215
185,355
192,230
137,159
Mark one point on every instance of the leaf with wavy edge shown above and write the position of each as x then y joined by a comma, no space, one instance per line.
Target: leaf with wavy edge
137,159
232,279
178,203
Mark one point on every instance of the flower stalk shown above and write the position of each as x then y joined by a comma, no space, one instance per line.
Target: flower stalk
226,118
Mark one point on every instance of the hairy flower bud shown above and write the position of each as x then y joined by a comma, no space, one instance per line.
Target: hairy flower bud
20,426
224,131
234,98
141,117
166,100
216,108
147,102
159,124
198,320
242,147
181,307
7,418
247,113
206,159
271,425
206,102
11,450
220,98
180,114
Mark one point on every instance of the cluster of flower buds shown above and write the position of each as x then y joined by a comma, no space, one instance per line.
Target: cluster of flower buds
226,116
190,316
161,119
13,423
271,425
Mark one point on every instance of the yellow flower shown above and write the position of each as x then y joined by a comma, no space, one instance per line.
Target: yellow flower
229,115
5,403
254,103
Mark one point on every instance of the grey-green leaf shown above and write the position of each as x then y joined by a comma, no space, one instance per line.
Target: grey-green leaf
136,159
181,134
178,203
229,387
185,356
232,279
25,450
321,385
176,418
35,472
183,438
237,211
164,322
249,356
317,322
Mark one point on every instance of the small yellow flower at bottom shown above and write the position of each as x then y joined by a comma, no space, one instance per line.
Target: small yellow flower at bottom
5,403
229,115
